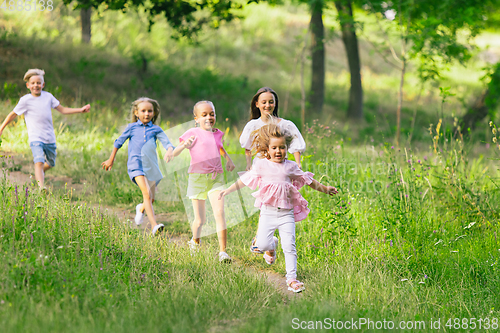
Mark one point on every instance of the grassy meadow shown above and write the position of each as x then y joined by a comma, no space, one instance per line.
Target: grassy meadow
411,237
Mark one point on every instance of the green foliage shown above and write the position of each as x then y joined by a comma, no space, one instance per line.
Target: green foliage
9,91
408,233
435,37
186,17
493,76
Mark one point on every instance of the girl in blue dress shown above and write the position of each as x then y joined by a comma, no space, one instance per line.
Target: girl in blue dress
142,164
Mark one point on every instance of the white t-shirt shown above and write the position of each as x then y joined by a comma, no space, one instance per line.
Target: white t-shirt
297,145
38,116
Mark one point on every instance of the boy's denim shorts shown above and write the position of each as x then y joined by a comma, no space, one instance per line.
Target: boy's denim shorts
44,152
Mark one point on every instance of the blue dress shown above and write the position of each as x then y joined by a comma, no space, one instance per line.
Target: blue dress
142,159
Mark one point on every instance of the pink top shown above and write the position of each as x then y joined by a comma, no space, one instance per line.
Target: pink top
205,152
278,185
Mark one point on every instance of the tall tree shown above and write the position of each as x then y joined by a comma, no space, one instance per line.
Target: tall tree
347,24
317,29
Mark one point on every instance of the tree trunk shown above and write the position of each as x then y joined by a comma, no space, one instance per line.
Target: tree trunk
317,93
85,14
346,19
477,112
400,102
484,104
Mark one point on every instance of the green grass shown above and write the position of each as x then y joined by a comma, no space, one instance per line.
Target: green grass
69,267
413,234
426,247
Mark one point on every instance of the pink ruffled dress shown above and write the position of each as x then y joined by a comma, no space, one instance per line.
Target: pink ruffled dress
279,185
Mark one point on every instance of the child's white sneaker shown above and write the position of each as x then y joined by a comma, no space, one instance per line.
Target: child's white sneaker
254,248
224,258
157,229
193,246
139,216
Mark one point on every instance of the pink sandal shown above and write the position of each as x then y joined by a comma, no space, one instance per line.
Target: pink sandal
271,258
295,285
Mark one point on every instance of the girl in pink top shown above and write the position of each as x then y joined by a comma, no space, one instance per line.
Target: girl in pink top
278,197
205,173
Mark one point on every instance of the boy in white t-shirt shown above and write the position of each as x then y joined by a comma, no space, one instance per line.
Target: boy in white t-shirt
37,109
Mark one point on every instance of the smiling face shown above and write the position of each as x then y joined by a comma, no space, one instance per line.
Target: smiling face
266,104
205,116
35,84
144,112
277,149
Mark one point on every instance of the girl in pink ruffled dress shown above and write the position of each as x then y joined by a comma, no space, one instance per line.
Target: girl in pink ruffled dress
278,197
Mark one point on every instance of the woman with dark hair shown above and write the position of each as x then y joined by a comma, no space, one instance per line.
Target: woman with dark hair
263,107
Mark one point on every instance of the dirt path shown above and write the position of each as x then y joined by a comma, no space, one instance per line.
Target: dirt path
126,216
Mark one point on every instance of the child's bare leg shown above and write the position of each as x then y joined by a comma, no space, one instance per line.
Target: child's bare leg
199,219
40,168
220,219
152,186
146,195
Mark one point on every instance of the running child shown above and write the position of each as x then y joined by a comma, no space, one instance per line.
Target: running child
37,109
264,104
280,203
143,167
205,173
263,110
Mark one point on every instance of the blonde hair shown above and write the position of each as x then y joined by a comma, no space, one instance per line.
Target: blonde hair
263,135
135,107
195,107
34,72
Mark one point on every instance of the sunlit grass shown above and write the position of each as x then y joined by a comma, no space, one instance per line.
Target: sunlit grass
407,228
412,235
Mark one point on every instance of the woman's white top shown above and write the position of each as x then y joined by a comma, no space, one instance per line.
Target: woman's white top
298,144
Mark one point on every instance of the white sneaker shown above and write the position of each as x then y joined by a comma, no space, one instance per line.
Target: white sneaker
157,229
193,246
138,215
254,248
224,258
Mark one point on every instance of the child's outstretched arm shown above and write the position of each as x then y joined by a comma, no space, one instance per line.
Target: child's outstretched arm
248,157
65,110
229,165
169,155
184,145
165,142
108,164
297,159
330,190
11,116
236,186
